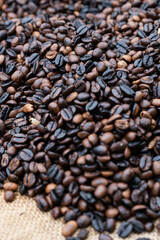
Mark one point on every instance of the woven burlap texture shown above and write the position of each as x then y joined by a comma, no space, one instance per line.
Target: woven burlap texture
22,220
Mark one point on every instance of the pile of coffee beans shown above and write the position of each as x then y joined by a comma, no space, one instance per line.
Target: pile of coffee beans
80,111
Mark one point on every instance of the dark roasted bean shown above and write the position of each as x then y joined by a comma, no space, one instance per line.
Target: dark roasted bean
19,138
66,114
26,155
110,225
83,221
83,233
125,229
127,91
138,226
98,225
147,61
29,180
59,60
82,30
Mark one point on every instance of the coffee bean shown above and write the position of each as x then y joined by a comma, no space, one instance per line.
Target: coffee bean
83,221
9,186
19,138
14,164
17,76
26,155
51,126
52,171
107,138
59,60
80,70
125,229
69,228
29,180
91,106
83,233
110,225
9,196
100,150
100,191
122,124
82,30
147,61
70,215
98,225
4,97
97,52
126,90
87,197
4,160
138,227
66,114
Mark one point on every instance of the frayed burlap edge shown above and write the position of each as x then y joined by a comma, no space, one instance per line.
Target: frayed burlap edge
22,220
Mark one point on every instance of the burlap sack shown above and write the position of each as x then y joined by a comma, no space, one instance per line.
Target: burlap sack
22,220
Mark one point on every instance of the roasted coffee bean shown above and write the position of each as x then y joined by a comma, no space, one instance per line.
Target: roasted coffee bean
87,197
80,70
100,150
59,60
83,221
4,97
10,186
147,61
42,204
82,30
52,171
14,164
4,160
51,126
69,228
98,225
91,106
19,138
138,226
110,225
26,155
127,91
59,133
29,180
9,196
66,114
125,229
83,233
70,215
